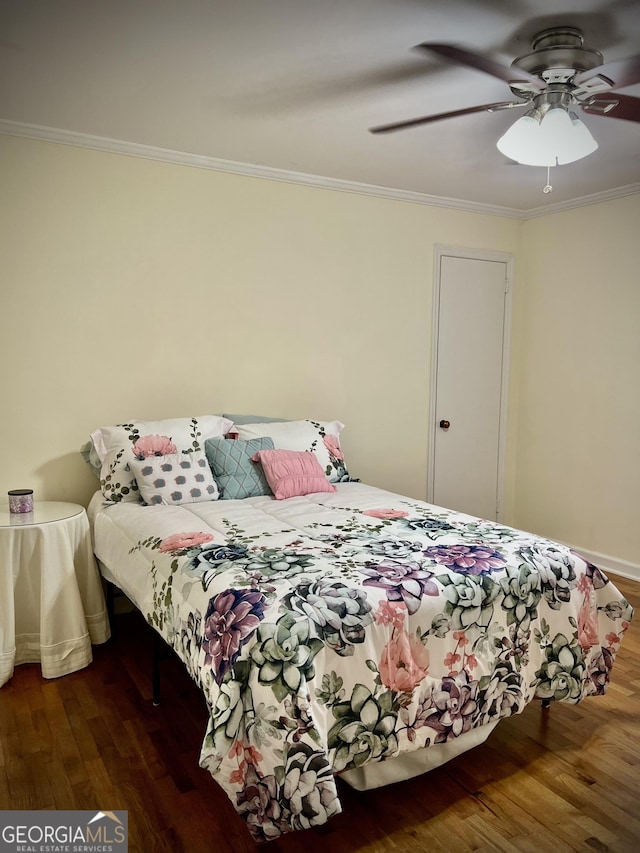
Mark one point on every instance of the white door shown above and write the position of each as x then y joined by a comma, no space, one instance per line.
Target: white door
471,315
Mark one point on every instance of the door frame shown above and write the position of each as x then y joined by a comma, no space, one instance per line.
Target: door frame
477,255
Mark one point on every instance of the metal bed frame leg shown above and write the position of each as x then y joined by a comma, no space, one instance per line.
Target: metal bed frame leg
111,593
110,604
155,673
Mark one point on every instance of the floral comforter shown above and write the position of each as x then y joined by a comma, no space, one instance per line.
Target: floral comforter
332,630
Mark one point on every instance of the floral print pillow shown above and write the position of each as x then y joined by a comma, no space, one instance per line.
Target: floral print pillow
317,437
117,446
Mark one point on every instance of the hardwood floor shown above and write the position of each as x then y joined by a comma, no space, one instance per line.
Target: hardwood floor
563,780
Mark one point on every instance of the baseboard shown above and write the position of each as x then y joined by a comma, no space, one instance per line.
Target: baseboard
610,564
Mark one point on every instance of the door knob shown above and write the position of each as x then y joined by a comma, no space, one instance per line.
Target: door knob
445,424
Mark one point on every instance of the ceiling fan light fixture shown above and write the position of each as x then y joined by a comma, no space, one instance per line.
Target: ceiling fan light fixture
522,142
564,137
555,137
582,139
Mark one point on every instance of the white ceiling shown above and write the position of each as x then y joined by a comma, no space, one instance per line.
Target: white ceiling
295,84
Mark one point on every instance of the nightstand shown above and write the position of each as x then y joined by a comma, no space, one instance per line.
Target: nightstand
52,605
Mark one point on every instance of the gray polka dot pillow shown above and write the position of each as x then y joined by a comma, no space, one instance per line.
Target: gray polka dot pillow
174,478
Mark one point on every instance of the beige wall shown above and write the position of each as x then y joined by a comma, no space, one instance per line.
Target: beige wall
578,430
133,288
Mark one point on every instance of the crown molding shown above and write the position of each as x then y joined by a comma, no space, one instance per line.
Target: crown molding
199,161
583,201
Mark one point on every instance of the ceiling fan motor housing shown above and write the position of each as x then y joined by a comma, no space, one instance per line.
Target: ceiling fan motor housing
558,55
555,96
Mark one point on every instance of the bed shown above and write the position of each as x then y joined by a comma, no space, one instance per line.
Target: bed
341,630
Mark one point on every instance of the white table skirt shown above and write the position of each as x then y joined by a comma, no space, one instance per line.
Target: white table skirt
52,605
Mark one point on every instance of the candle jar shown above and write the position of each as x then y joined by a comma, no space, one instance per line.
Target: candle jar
21,500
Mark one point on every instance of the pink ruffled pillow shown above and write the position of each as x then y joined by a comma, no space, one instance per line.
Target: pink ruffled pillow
291,473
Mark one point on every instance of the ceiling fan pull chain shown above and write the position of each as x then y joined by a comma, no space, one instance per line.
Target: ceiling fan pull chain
548,188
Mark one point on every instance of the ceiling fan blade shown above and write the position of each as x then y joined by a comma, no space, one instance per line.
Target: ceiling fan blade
475,60
621,72
414,122
613,105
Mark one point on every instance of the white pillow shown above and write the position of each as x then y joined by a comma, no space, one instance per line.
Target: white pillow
117,446
177,478
322,438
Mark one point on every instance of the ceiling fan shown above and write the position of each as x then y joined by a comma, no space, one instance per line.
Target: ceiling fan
559,74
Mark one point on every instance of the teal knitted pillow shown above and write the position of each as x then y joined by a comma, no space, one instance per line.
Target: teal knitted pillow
234,472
